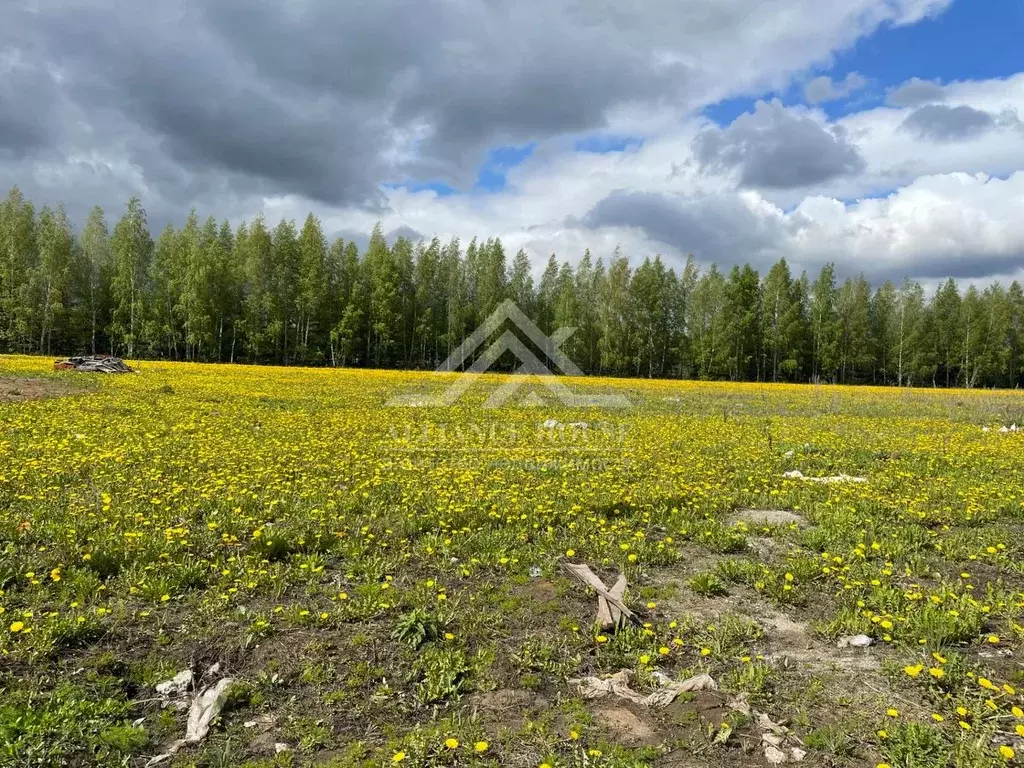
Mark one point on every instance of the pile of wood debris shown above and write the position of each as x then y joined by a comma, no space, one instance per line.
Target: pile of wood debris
93,364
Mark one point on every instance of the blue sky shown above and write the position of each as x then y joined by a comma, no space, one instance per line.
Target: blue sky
970,40
491,176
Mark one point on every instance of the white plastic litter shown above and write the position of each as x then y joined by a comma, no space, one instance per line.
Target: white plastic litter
205,707
618,685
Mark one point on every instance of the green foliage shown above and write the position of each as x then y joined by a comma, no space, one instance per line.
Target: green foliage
286,295
420,626
833,740
441,673
65,725
912,745
707,584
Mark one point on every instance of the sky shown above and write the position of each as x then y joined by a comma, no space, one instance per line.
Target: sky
881,135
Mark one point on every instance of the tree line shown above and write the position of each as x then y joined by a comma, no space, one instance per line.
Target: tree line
205,291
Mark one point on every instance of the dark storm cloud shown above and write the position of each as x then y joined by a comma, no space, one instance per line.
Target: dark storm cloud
938,122
966,266
774,148
28,95
198,101
924,266
16,134
224,103
718,229
160,70
470,74
915,92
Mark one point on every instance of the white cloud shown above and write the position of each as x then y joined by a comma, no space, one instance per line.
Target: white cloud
824,88
388,91
934,199
955,224
944,208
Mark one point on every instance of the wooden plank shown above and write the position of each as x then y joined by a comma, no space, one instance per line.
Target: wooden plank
617,591
588,577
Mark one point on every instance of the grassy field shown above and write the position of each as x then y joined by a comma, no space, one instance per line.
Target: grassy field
385,585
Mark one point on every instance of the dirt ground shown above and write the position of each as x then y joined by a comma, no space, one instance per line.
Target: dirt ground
15,390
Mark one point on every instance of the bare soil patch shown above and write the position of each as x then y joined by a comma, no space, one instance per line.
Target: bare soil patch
791,641
627,725
15,390
507,700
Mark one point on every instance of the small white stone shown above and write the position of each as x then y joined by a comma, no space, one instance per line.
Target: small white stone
856,641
